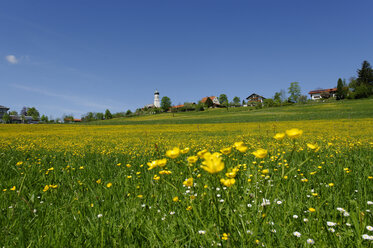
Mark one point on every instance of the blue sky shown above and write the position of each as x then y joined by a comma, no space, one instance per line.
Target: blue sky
72,57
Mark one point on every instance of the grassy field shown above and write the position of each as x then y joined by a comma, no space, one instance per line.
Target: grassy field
120,185
197,185
348,109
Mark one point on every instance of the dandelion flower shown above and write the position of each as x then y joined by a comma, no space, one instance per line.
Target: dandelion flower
109,185
311,210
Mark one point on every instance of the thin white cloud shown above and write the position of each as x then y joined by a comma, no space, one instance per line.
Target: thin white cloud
11,59
70,98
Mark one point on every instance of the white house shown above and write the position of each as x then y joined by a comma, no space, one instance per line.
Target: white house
317,94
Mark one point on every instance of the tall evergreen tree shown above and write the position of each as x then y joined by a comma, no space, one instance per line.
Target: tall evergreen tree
365,74
340,90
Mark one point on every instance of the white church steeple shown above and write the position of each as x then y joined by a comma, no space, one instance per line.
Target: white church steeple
157,103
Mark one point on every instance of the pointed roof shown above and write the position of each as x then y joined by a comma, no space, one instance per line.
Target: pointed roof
3,107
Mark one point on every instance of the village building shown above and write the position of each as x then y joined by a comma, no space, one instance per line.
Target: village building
3,110
156,103
254,99
318,94
214,100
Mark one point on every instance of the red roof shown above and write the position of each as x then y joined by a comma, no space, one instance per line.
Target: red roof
178,106
323,90
205,98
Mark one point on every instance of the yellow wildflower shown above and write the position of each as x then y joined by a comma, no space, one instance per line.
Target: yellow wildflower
260,153
192,159
294,133
175,199
228,182
279,136
201,153
189,208
188,182
265,171
174,153
185,150
213,164
13,188
225,236
109,185
242,148
226,150
152,164
46,188
311,210
161,162
156,177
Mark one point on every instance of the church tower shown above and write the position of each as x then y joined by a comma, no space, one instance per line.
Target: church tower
157,103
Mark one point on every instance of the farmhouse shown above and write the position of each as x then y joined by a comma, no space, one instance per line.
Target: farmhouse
254,99
318,94
214,100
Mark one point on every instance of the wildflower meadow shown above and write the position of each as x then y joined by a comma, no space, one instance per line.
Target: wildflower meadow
284,184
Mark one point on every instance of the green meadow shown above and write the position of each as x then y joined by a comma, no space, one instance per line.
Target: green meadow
346,109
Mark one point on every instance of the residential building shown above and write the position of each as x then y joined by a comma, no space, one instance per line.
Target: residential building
214,100
3,110
318,94
254,99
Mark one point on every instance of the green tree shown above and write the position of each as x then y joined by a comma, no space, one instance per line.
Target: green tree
223,100
108,115
277,97
365,74
44,118
99,116
268,102
6,118
236,101
128,113
13,112
341,92
166,103
294,91
33,112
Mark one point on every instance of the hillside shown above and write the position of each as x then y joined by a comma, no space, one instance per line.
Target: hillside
347,109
